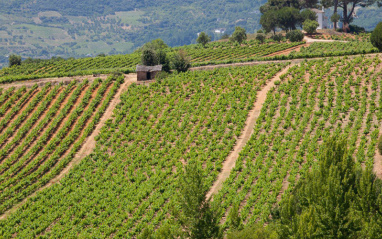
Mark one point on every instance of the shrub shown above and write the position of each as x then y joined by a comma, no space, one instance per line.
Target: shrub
310,26
260,37
376,37
116,74
260,31
225,36
181,62
295,36
277,37
161,75
14,60
356,29
239,35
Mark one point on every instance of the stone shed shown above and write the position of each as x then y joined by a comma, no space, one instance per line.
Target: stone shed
147,72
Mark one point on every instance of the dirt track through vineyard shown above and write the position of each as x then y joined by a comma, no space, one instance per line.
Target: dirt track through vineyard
89,145
230,162
378,164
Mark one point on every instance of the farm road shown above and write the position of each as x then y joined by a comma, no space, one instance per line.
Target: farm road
230,162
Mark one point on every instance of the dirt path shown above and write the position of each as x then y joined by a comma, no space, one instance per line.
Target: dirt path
54,81
89,145
378,164
287,51
230,162
311,40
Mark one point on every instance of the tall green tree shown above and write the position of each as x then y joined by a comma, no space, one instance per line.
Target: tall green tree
197,218
335,18
376,40
308,14
274,5
203,39
288,18
348,7
239,35
149,57
14,60
269,21
163,60
336,200
156,45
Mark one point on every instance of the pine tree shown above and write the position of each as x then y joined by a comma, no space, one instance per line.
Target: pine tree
335,200
197,218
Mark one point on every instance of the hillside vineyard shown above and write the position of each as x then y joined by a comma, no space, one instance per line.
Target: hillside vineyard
314,101
214,53
42,129
130,181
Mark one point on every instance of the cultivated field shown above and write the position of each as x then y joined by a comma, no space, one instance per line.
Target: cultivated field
256,130
42,129
214,53
130,181
314,100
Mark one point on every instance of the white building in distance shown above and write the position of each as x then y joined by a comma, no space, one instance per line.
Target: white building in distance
321,19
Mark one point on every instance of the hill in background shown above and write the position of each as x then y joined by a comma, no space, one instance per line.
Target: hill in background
43,29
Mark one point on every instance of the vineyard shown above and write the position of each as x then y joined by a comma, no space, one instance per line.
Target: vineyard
227,51
345,37
320,49
41,131
314,101
70,67
217,51
214,53
269,126
130,180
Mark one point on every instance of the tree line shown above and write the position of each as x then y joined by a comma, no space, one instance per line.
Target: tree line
287,15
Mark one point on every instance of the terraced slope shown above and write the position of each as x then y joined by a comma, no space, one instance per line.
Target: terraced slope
42,128
129,183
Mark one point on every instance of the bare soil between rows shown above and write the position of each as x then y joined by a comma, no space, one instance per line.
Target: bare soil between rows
89,145
230,162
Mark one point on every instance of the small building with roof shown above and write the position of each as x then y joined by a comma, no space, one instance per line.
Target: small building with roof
147,72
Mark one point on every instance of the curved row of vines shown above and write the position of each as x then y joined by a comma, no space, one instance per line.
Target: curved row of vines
41,129
312,102
130,181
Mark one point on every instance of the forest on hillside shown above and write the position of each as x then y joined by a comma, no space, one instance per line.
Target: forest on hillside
44,29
